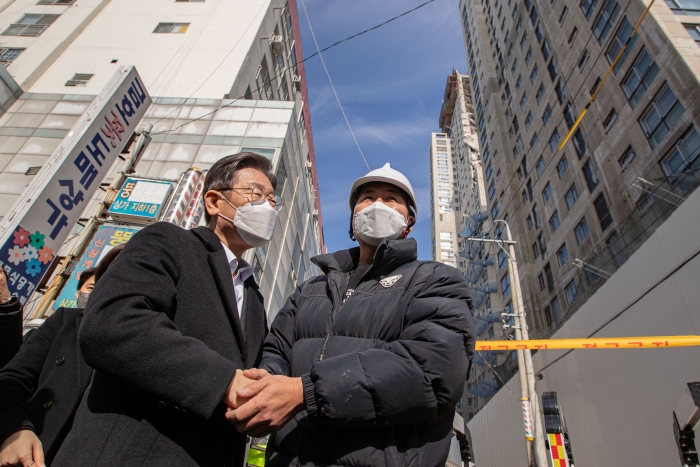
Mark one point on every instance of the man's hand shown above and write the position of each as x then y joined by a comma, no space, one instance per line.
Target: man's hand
4,290
231,398
273,401
22,448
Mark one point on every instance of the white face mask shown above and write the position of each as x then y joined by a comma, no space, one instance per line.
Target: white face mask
377,222
255,221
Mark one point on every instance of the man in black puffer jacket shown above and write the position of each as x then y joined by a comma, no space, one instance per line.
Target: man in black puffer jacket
371,357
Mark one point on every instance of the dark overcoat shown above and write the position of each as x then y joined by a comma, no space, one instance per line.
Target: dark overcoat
41,387
162,331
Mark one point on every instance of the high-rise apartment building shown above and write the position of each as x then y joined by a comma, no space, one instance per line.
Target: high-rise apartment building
442,201
224,76
482,263
579,212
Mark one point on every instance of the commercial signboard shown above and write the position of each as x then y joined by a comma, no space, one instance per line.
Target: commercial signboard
140,201
43,216
106,238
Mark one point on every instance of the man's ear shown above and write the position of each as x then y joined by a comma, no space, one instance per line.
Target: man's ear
211,202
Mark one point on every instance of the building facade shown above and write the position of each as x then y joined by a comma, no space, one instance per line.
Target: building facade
442,201
579,212
224,77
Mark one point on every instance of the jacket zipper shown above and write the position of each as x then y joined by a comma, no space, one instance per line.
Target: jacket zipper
337,304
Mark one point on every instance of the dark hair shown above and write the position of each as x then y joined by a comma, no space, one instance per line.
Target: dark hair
106,261
84,276
223,174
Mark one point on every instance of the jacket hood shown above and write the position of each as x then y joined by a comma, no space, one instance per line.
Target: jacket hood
390,255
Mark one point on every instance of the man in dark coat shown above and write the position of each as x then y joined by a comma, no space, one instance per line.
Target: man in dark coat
374,353
175,317
11,320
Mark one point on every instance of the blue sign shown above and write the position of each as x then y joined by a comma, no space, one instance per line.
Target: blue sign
140,200
40,221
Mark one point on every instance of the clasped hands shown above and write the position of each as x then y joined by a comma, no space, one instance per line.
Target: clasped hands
260,403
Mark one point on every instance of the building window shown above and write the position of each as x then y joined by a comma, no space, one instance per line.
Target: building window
569,116
445,209
554,140
684,7
571,291
519,83
489,171
610,120
553,69
626,158
534,142
79,79
446,235
571,197
492,190
443,192
549,276
588,7
581,231
684,154
606,19
540,279
546,116
539,32
583,60
494,211
562,17
562,255
523,40
662,114
30,25
562,166
505,286
561,91
528,57
535,250
445,200
572,37
533,74
514,68
623,33
579,143
446,245
547,192
501,259
536,216
640,77
529,222
528,121
8,54
448,255
523,101
540,93
443,170
601,209
171,28
442,163
590,175
546,51
548,316
554,222
694,31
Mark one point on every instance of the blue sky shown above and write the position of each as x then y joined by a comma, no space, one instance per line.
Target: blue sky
390,82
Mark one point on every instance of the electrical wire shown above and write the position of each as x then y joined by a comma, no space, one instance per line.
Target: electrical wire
302,61
337,99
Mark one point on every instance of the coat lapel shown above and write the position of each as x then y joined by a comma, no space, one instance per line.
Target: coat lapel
255,321
224,283
84,370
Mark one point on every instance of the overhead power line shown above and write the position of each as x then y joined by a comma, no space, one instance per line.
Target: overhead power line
302,61
337,99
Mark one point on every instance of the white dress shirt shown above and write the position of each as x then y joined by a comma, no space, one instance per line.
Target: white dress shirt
239,277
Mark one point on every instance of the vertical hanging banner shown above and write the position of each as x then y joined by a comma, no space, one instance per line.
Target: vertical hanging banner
43,216
106,238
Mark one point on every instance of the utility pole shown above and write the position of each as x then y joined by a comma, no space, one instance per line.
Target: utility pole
531,414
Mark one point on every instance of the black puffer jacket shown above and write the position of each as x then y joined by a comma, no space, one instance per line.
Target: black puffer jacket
383,371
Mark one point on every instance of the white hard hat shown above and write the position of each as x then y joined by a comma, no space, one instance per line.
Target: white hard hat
387,175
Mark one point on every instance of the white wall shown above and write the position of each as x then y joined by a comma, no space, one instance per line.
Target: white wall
202,62
618,404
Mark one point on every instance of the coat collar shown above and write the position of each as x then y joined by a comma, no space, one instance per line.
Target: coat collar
389,255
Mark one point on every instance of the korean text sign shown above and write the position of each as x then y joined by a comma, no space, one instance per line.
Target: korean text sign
140,199
44,215
106,238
